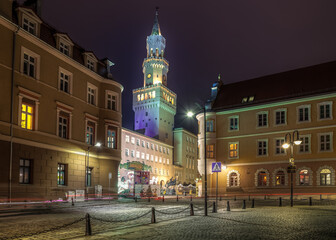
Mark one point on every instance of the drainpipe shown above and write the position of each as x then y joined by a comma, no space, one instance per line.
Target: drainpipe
12,118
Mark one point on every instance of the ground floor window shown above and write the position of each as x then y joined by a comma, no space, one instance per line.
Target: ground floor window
304,177
89,177
325,177
262,178
25,168
233,179
61,174
280,178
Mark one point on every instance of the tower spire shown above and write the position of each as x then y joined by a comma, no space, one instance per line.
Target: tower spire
156,27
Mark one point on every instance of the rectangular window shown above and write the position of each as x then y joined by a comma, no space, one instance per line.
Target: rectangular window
61,174
305,144
137,154
63,126
27,116
278,146
142,155
325,110
90,64
167,161
91,95
147,157
29,65
126,152
152,146
132,153
210,151
29,26
280,117
64,48
138,142
148,145
160,149
89,176
234,123
160,159
126,138
64,82
262,148
167,150
262,119
209,126
90,133
143,143
111,101
325,142
156,158
25,170
156,147
233,150
303,114
132,140
111,138
152,158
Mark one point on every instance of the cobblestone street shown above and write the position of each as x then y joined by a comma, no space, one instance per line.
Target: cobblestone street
173,221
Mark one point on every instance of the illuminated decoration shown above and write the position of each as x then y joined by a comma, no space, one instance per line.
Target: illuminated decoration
27,116
149,75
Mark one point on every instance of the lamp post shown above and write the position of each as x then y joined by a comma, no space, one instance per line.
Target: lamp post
291,139
190,114
98,144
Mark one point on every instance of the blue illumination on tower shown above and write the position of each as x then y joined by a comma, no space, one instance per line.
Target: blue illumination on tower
154,104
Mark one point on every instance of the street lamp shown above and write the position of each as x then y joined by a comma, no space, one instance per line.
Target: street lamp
291,139
98,144
190,114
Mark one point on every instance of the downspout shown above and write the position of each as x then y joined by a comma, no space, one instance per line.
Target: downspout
12,118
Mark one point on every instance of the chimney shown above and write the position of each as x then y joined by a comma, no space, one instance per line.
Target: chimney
108,64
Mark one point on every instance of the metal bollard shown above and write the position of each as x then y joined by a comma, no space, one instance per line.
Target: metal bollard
235,198
244,204
310,201
228,206
153,215
135,199
214,207
163,198
191,209
190,198
72,202
280,201
252,206
148,199
88,231
176,198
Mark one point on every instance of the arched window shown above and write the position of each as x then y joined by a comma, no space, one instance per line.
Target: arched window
304,177
233,179
325,177
280,178
262,178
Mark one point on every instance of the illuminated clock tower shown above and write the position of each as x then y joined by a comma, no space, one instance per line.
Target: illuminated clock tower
154,104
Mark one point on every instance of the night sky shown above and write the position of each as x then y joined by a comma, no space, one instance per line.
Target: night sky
238,39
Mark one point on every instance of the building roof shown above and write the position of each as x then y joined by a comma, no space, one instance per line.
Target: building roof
308,81
156,27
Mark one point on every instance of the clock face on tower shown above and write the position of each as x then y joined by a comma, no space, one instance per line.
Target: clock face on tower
149,75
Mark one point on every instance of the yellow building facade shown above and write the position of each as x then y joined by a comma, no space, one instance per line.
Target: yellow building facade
58,102
246,127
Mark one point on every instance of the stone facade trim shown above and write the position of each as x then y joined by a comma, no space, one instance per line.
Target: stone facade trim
228,178
256,176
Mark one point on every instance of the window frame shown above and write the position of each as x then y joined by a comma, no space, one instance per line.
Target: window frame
306,106
303,142
95,94
267,120
262,148
28,97
107,100
237,125
330,103
330,142
64,171
235,150
275,116
24,172
37,62
281,148
70,80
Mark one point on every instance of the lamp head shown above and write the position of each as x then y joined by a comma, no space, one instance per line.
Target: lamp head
190,114
285,145
98,144
297,142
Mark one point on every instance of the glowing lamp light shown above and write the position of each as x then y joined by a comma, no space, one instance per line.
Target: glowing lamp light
297,142
285,145
98,144
224,167
190,114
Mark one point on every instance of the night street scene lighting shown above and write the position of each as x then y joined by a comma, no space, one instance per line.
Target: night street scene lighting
96,140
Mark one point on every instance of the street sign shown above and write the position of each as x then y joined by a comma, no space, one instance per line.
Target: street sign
216,167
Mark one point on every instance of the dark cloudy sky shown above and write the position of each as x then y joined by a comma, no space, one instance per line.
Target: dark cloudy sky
239,39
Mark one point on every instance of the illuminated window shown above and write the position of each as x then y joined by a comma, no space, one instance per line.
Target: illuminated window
280,117
262,148
210,151
305,144
111,138
153,94
127,138
262,179
152,158
111,100
233,150
147,157
280,178
234,123
90,133
25,170
164,161
167,172
63,125
138,97
137,154
27,116
132,140
160,159
29,26
142,155
278,146
325,177
325,142
61,174
303,113
209,126
233,179
262,119
156,158
304,177
325,110
167,161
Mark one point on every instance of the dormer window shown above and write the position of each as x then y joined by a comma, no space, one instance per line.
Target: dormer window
90,64
29,26
64,44
90,61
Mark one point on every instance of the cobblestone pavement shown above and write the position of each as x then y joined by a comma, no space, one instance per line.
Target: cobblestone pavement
109,221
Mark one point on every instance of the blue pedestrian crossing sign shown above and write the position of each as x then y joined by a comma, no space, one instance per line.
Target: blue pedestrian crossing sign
216,167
